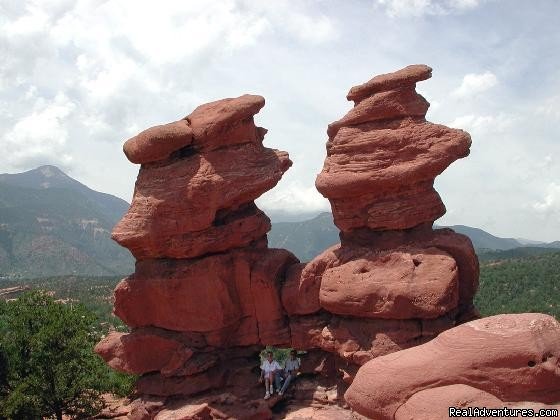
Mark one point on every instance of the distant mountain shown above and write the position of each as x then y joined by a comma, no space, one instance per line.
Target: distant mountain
529,242
308,238
484,240
305,239
51,224
555,244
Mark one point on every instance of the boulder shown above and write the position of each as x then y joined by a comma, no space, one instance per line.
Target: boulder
513,357
226,122
400,103
435,403
397,284
406,77
159,142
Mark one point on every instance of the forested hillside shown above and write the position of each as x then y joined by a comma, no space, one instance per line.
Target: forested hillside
514,285
50,224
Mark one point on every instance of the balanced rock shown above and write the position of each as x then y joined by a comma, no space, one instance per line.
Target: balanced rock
196,201
383,157
226,122
205,294
406,77
513,357
159,142
210,126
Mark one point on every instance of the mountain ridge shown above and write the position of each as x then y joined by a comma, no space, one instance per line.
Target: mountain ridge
306,239
51,224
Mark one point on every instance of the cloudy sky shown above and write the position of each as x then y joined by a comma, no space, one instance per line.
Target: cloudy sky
77,78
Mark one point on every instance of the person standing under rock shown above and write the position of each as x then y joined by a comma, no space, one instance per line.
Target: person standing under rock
270,372
290,371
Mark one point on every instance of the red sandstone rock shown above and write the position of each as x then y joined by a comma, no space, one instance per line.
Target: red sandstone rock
514,357
382,157
155,384
204,269
143,351
226,122
187,196
434,403
315,412
381,176
406,77
145,407
399,284
300,292
199,363
398,210
157,143
360,340
211,295
458,246
388,105
221,406
461,249
336,280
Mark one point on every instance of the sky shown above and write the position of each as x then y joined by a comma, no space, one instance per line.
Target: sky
78,78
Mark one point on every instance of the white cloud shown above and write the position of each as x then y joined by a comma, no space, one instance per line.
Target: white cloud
417,8
474,84
34,21
291,18
550,108
40,135
295,198
314,30
483,123
551,201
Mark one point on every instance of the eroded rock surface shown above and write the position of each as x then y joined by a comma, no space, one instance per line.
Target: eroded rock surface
507,358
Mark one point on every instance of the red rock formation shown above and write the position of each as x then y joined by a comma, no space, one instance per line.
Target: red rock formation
205,295
434,403
399,282
208,294
383,156
508,357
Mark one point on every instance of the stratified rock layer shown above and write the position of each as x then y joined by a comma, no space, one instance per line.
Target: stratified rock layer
202,203
383,156
512,357
231,298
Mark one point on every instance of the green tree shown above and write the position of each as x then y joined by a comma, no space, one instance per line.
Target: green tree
47,365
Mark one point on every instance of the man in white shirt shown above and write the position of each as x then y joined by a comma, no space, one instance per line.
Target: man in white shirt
290,370
270,372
